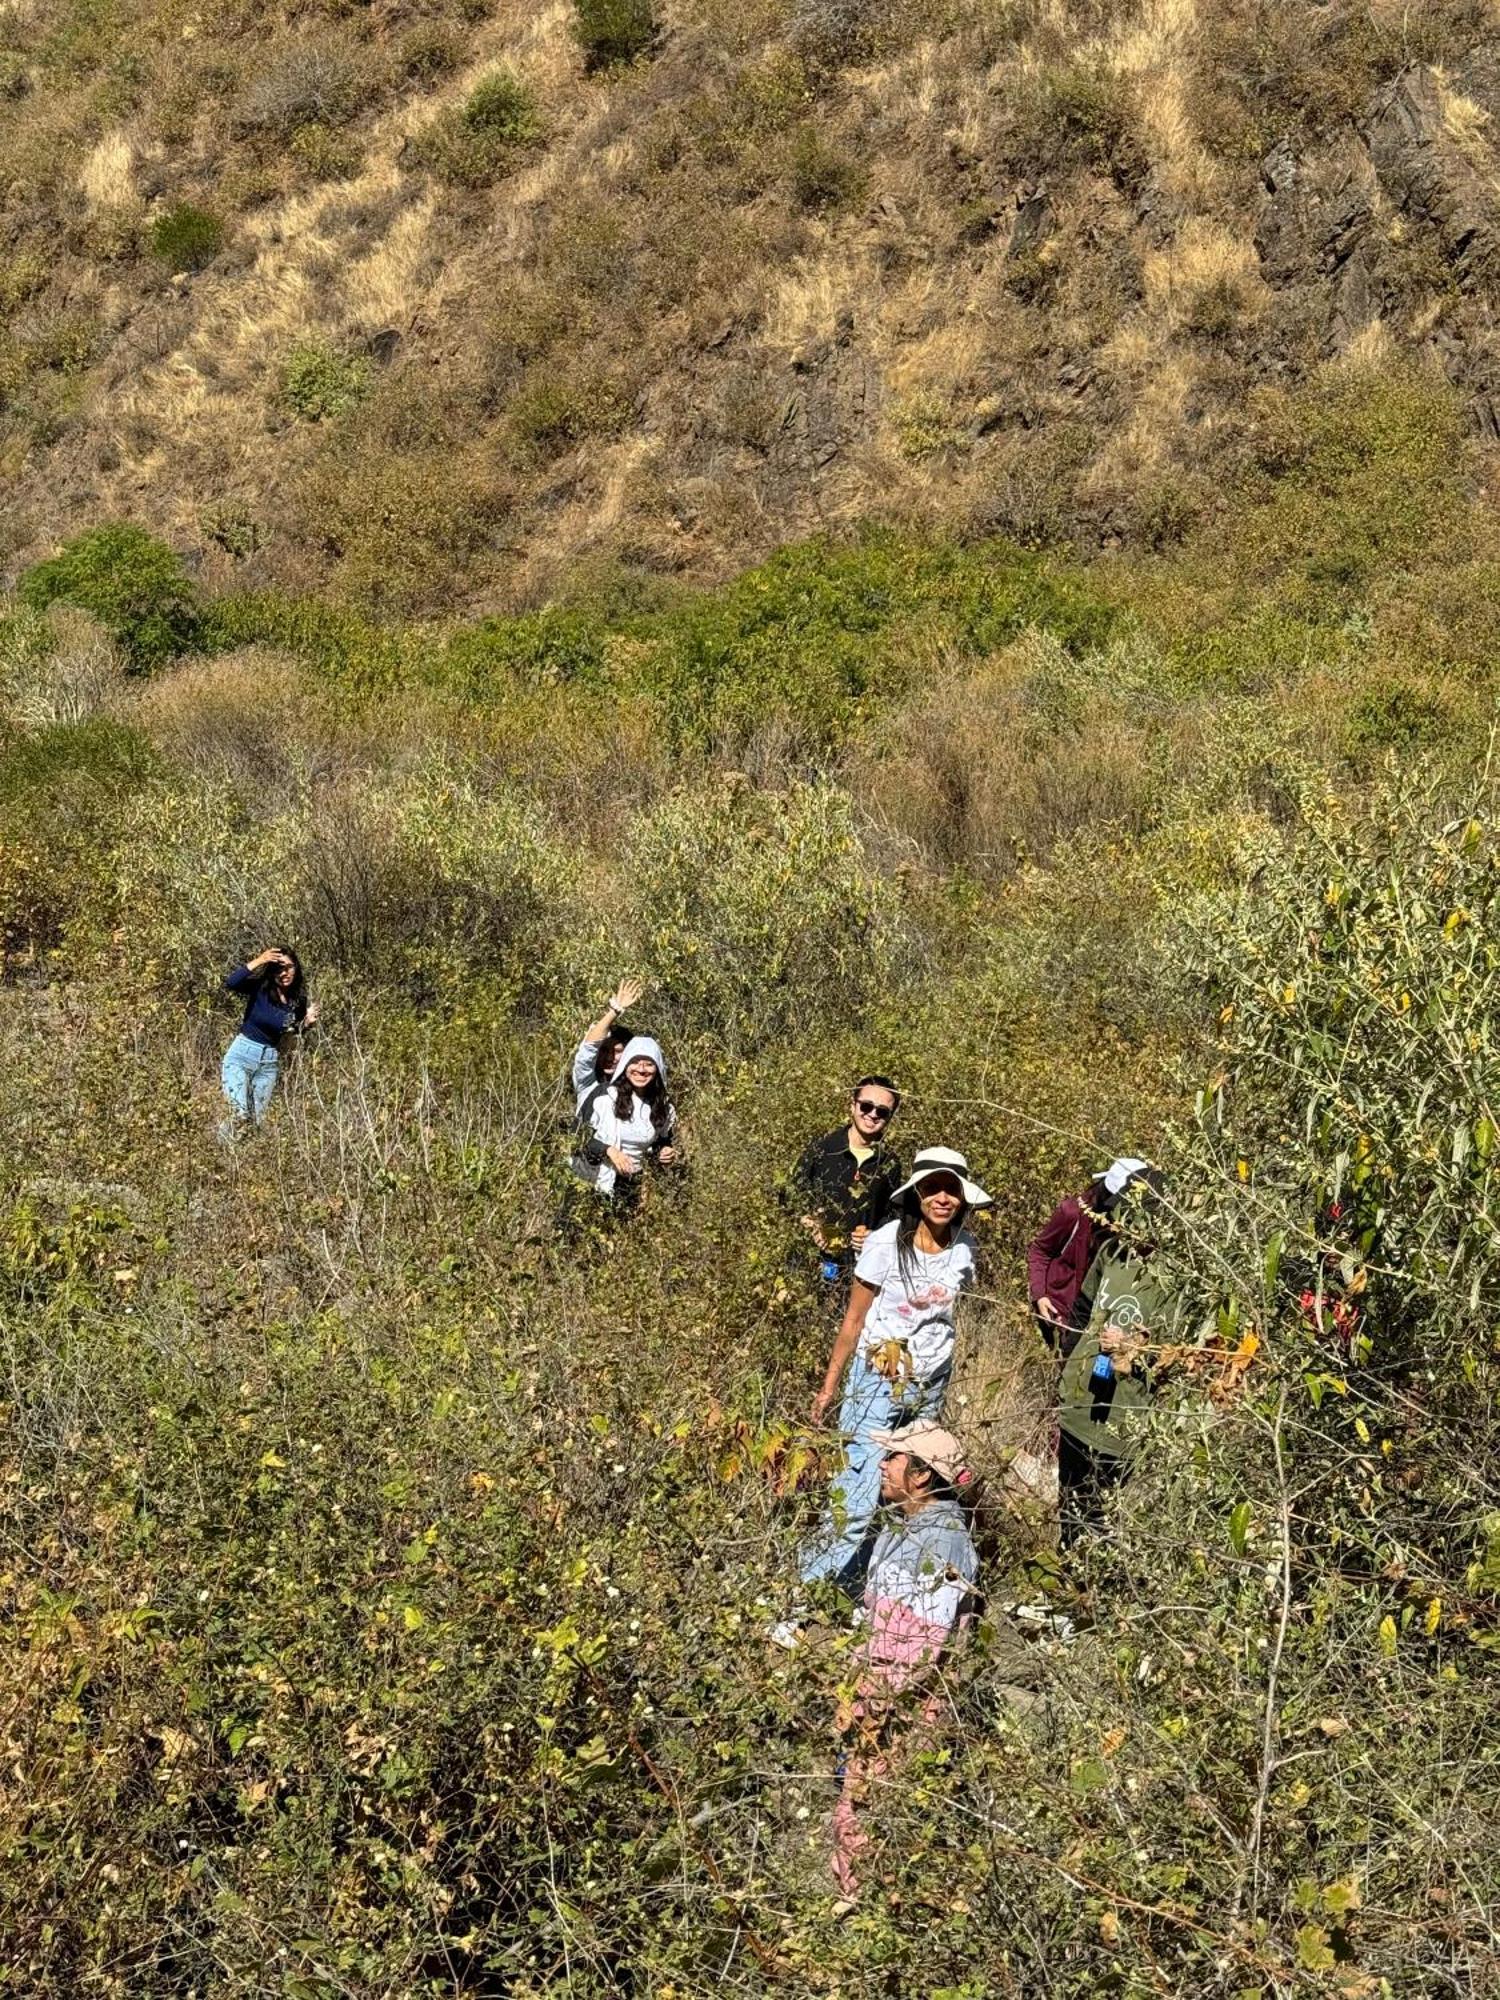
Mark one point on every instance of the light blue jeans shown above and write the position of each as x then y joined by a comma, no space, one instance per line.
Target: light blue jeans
248,1075
871,1403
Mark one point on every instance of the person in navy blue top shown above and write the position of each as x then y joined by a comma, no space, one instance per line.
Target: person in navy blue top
276,1005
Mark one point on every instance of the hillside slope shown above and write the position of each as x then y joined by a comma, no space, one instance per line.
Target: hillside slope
280,285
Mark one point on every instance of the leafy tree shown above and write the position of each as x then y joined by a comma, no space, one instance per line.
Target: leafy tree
131,582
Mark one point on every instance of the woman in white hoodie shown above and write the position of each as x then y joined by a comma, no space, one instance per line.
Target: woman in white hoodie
627,1121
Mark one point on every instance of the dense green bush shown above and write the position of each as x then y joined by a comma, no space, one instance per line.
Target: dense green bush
824,633
319,382
755,914
543,649
614,31
131,582
185,237
483,138
824,176
1324,1491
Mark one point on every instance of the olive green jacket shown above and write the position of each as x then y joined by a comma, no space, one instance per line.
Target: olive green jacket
1119,1291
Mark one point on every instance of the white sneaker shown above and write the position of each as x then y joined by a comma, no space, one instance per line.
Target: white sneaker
1041,1617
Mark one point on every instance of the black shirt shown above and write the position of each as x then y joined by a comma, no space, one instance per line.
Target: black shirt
842,1192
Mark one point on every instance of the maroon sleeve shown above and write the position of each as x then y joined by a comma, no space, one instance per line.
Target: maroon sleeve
1050,1244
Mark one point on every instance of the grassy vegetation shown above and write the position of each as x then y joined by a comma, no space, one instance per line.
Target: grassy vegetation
873,518
390,1575
761,273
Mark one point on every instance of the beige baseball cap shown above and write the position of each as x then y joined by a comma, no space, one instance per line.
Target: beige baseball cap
931,1444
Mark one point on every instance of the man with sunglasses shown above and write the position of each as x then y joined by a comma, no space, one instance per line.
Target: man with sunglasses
844,1182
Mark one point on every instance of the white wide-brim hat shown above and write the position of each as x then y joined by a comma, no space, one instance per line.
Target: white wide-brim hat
943,1160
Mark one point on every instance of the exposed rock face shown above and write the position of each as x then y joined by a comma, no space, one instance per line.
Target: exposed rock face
1429,177
1418,177
833,397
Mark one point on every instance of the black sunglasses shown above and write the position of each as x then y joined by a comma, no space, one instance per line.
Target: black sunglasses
880,1111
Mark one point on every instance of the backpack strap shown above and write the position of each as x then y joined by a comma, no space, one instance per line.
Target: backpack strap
592,1149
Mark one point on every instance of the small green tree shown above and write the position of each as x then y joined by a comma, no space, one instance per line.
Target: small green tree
186,237
132,583
614,31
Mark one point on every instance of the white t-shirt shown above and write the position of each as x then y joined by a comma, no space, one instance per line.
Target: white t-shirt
918,1310
634,1135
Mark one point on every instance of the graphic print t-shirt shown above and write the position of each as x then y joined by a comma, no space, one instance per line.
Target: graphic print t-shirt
917,1309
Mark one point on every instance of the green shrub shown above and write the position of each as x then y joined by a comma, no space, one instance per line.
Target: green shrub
544,649
317,382
485,137
22,276
1083,114
327,155
501,108
336,642
614,31
133,584
234,526
61,792
824,175
824,632
759,915
186,238
553,414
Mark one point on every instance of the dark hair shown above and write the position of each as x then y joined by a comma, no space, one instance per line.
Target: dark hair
940,1488
654,1097
608,1053
295,995
880,1083
907,1225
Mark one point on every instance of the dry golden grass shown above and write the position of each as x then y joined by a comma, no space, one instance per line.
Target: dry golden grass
1468,125
107,177
1203,260
316,270
926,375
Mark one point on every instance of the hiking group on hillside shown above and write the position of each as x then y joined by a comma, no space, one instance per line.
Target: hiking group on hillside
894,1254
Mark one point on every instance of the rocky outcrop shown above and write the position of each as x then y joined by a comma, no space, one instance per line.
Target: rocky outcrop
1431,178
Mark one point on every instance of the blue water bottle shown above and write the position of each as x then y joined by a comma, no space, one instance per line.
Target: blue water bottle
1102,1383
